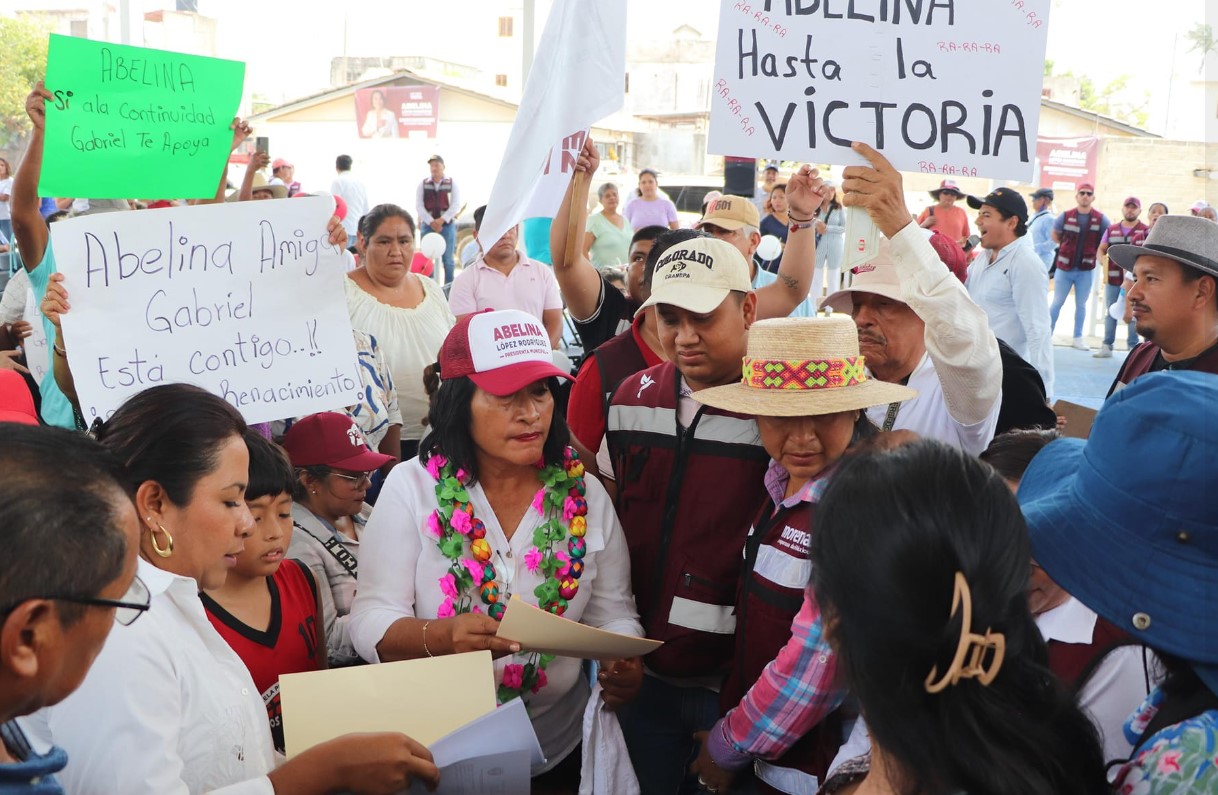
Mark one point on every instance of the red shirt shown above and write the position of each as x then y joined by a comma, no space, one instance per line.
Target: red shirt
287,646
586,406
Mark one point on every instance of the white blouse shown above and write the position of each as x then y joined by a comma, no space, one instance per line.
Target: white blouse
409,340
401,565
167,708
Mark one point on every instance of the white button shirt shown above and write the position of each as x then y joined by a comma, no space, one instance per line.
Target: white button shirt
1012,286
167,708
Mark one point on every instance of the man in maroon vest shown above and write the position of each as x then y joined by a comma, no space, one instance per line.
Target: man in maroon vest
1174,298
1129,230
1077,232
438,202
688,481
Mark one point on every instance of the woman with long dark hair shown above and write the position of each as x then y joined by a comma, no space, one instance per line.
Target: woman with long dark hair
497,506
169,707
920,561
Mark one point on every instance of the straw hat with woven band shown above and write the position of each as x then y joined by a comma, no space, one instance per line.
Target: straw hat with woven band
803,367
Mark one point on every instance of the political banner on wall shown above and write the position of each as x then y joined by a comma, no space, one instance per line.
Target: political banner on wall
136,123
397,111
939,86
244,300
1065,163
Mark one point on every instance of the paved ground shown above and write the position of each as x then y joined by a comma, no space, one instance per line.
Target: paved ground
1079,377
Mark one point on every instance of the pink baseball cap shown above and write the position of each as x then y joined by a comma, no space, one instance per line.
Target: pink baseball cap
333,440
16,402
500,351
280,163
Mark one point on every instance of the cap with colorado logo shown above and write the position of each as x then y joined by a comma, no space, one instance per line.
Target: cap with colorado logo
698,274
500,351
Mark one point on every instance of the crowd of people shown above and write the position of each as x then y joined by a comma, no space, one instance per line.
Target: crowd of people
874,564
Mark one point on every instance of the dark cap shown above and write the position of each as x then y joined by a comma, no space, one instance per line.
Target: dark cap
1043,193
1005,199
436,159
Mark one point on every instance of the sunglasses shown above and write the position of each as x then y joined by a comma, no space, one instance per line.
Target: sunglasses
361,479
134,603
1085,193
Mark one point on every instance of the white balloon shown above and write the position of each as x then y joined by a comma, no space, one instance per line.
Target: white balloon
769,248
433,246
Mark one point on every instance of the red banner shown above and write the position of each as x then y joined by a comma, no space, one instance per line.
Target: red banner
397,111
1065,163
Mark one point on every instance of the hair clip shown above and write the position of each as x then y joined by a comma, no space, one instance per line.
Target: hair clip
972,649
435,368
96,429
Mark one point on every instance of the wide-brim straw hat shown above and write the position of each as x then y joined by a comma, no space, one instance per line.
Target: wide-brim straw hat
803,367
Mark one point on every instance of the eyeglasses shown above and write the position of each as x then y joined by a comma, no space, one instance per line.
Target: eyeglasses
1085,193
135,601
363,478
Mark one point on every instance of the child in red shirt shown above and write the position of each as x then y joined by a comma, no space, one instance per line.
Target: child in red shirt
269,609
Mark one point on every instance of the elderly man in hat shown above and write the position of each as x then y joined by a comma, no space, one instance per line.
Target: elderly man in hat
1125,523
438,202
944,216
1040,226
1174,298
916,323
1008,282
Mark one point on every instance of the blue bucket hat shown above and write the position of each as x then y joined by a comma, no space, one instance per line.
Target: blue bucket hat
1127,521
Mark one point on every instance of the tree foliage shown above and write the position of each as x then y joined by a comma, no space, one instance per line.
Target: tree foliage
23,61
1202,38
1114,99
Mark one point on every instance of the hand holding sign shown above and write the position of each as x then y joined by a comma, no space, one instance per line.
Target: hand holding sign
36,105
877,189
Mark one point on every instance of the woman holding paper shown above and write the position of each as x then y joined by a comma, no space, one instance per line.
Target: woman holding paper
168,707
497,506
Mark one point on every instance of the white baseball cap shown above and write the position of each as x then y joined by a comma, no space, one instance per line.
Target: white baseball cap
500,351
698,274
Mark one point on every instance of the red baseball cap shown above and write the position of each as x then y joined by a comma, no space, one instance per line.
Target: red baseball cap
951,254
1086,186
333,440
16,402
1135,201
502,352
280,163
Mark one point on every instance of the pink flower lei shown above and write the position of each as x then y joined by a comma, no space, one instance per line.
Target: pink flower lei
558,551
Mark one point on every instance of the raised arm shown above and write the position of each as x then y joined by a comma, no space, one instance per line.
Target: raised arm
804,196
29,230
241,131
578,279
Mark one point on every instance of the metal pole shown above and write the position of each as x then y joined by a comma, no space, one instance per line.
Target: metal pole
124,21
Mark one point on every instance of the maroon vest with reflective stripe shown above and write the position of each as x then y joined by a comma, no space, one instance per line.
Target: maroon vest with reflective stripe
1116,236
686,499
618,359
1073,237
1074,663
436,197
765,609
1142,358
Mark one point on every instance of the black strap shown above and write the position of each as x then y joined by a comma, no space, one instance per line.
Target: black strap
890,419
336,550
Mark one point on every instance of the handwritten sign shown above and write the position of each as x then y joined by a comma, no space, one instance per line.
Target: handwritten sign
130,122
939,86
245,300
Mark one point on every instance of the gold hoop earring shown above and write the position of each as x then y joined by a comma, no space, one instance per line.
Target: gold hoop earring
161,552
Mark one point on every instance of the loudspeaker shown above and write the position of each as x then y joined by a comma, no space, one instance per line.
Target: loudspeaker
740,176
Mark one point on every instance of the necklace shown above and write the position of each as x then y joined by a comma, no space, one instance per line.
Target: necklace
558,551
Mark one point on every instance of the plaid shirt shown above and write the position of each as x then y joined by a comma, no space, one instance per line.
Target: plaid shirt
798,688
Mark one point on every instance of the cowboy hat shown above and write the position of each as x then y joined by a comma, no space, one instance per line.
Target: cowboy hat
803,367
1182,238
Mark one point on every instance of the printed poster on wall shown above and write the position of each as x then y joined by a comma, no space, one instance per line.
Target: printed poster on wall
245,300
1066,163
397,111
939,86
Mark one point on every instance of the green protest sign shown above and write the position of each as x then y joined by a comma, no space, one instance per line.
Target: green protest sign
134,123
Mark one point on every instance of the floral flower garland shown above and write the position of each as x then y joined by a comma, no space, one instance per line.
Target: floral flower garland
558,551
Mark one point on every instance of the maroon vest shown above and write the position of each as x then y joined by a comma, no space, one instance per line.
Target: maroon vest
1116,236
686,498
436,197
772,585
618,359
1074,663
1073,237
1142,358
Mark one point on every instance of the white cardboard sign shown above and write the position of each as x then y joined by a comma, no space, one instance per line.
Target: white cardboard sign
245,300
947,87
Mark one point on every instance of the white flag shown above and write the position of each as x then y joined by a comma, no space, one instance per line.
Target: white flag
578,78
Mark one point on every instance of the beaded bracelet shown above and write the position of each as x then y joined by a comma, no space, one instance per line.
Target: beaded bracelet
795,227
799,220
425,624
